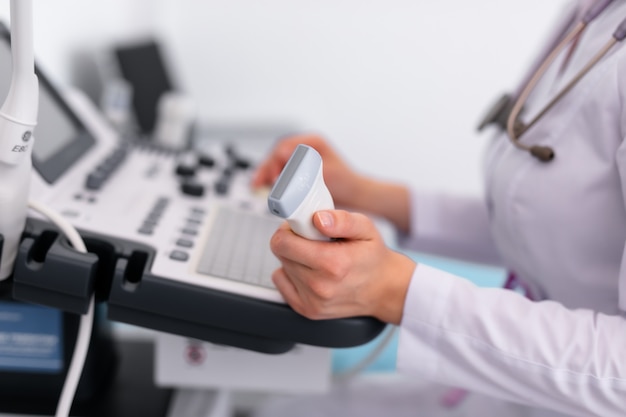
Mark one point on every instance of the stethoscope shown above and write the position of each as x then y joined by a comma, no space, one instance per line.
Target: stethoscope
506,111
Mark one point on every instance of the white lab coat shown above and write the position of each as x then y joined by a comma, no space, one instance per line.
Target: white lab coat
561,226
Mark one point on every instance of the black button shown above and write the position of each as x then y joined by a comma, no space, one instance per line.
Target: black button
94,181
185,243
190,232
179,255
241,163
185,170
105,169
192,188
222,186
154,217
162,202
237,161
195,216
206,161
192,225
146,230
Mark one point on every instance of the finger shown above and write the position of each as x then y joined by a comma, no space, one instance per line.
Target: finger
287,289
265,174
297,296
270,169
340,224
288,246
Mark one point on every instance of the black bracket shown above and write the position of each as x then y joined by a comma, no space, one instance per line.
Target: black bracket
49,272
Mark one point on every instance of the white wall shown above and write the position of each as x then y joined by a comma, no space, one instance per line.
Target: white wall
70,33
398,85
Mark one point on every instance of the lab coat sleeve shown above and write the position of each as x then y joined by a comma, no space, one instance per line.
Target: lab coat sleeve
496,342
452,226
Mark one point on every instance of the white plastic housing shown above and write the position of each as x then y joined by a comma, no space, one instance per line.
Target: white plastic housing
13,204
319,198
300,191
18,117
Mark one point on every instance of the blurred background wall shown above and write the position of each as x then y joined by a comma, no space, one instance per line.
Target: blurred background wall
397,85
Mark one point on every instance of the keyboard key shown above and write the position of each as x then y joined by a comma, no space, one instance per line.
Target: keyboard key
179,255
184,243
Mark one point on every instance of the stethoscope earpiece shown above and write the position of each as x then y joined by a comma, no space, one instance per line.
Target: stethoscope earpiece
542,153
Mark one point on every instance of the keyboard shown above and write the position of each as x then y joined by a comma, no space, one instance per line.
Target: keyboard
237,247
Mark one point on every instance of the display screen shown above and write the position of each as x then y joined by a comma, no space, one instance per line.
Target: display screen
60,138
31,338
143,66
62,131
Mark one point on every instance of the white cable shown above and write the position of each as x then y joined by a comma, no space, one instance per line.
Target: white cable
360,366
86,321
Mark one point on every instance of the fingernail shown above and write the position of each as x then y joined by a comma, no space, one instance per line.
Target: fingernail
325,218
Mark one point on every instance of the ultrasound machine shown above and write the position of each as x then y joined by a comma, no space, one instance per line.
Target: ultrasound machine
177,241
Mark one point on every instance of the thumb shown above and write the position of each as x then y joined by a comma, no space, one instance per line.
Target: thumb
341,224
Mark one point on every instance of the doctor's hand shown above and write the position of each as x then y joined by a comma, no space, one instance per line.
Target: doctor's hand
355,274
341,180
348,188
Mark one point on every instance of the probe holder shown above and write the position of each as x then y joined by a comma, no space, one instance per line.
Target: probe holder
49,272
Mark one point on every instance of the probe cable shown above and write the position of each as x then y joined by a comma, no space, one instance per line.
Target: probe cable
349,374
86,321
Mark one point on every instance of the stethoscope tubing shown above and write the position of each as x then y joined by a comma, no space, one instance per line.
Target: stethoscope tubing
514,127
